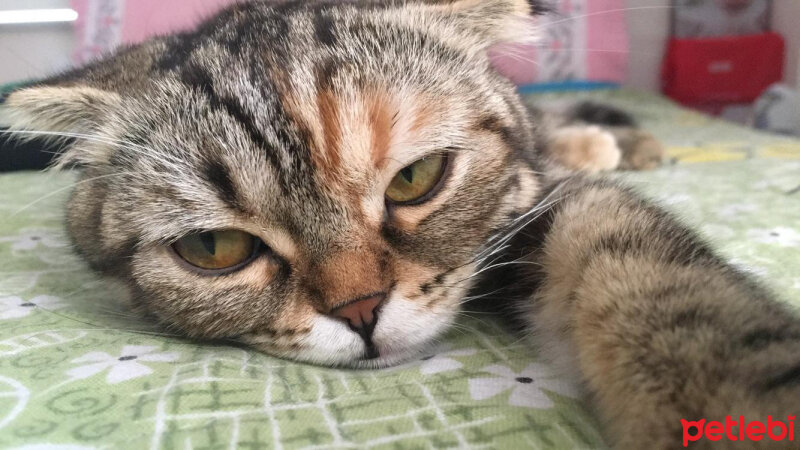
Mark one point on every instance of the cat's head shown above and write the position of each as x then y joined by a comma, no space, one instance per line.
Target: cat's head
316,180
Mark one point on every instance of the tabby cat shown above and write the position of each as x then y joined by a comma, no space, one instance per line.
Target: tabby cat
327,181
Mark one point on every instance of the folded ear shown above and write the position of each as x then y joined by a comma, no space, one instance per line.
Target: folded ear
493,21
58,113
58,109
82,100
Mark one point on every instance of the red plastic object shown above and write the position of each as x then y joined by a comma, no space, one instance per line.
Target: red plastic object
734,69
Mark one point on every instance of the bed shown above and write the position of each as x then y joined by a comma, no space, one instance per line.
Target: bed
76,372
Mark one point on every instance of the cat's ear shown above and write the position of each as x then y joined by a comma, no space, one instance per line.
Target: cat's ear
70,109
492,22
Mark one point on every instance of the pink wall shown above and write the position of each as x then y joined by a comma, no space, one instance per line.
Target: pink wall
606,40
145,18
588,40
103,25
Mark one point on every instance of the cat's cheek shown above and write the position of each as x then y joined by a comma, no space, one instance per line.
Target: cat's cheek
327,342
206,306
406,327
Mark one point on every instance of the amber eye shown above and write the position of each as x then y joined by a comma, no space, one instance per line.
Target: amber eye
217,250
415,183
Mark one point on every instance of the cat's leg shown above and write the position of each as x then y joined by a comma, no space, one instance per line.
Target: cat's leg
640,149
656,326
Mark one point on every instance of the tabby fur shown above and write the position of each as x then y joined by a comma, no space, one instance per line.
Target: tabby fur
287,120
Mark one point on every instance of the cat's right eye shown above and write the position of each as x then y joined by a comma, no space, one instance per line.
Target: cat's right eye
217,250
417,182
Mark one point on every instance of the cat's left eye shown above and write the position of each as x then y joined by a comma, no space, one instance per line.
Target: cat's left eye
217,251
417,182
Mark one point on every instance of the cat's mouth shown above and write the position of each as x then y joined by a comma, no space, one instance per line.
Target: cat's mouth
404,331
371,350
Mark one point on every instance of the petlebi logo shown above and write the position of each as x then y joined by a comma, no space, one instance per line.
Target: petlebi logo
739,430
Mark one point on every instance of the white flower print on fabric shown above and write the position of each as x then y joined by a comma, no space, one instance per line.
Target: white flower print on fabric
675,199
125,367
15,307
15,398
32,238
736,210
749,268
444,362
772,185
783,236
14,283
527,387
717,231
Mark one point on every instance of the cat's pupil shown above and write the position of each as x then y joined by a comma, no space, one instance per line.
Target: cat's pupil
408,174
208,241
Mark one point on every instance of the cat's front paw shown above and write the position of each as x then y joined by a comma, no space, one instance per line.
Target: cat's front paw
589,149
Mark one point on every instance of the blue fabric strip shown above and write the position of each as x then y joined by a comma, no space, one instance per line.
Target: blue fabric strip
7,89
564,86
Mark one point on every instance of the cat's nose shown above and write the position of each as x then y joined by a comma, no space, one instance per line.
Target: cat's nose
360,313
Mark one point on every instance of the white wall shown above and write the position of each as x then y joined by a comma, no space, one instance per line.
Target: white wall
786,20
30,51
648,25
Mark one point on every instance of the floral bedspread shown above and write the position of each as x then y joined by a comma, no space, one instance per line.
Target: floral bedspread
78,372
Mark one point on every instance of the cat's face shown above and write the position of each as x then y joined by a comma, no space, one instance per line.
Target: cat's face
314,181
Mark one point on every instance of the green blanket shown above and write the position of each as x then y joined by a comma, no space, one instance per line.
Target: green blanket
77,371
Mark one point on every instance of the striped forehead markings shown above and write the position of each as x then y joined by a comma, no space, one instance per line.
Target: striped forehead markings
218,175
328,157
494,124
381,120
216,172
324,28
197,78
286,143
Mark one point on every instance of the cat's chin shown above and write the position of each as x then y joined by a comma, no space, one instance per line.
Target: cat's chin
384,360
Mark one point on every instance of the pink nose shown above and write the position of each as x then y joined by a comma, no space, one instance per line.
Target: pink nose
361,313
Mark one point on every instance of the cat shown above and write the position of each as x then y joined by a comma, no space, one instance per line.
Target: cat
327,181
